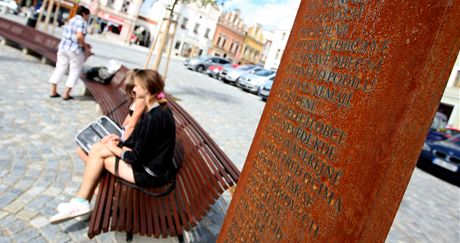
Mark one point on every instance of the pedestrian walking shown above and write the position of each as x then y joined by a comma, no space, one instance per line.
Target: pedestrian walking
71,53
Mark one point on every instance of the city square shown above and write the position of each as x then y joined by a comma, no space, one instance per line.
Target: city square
41,167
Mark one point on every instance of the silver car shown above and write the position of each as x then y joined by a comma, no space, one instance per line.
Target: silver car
253,81
201,63
230,74
265,89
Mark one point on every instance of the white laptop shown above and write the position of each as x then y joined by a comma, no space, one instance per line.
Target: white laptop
95,131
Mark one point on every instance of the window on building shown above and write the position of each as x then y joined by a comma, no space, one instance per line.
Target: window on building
231,47
457,79
184,23
218,40
110,3
125,6
223,42
283,36
206,34
236,48
277,55
177,45
200,52
195,30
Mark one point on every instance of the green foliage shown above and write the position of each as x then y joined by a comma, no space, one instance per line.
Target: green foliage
203,3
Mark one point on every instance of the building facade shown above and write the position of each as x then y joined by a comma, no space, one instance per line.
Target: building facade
450,101
195,28
229,36
253,46
278,39
195,25
116,16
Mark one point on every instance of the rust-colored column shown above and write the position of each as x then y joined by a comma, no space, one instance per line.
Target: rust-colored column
358,86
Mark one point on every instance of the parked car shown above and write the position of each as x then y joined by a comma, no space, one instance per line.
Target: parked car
265,89
437,130
443,155
202,63
214,70
252,81
452,131
230,75
11,5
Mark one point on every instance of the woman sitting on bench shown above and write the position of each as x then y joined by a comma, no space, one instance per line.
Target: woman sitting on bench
145,158
136,109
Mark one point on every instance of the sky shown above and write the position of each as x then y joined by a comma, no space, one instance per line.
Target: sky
271,14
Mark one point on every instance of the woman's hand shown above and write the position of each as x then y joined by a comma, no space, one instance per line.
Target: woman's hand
112,138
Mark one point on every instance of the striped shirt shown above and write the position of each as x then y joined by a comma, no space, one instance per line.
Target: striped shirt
69,34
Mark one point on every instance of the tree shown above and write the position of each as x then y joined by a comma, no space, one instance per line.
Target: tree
164,36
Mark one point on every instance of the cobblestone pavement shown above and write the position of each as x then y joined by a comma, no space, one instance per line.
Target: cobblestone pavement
40,169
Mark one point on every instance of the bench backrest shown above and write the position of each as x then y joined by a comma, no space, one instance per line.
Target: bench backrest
30,38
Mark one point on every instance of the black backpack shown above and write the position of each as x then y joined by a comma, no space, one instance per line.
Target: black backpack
99,75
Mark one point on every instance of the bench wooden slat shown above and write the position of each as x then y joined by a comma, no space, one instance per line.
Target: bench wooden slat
129,210
186,201
136,211
94,228
107,213
198,170
200,196
210,173
143,214
122,209
156,218
168,212
181,211
161,214
116,205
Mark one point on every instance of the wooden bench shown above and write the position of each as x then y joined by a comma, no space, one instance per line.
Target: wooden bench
30,39
206,172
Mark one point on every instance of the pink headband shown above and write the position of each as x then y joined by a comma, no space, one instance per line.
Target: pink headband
160,96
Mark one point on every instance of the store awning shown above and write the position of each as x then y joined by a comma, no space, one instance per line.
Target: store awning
111,18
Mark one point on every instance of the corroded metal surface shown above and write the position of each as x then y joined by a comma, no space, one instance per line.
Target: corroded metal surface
340,135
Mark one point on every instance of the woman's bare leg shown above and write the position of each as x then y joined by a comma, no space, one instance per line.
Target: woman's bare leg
125,171
83,156
93,170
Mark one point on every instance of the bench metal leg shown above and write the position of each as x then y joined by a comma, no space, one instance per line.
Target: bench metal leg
129,237
180,238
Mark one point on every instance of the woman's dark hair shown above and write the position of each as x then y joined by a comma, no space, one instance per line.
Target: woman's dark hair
82,10
129,86
152,81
